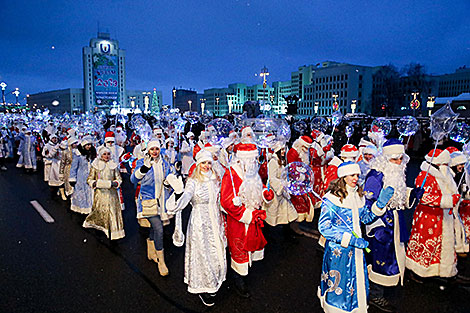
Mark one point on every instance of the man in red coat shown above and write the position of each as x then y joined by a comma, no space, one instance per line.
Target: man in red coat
348,152
242,194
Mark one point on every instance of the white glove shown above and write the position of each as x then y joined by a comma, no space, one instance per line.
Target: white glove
237,201
147,161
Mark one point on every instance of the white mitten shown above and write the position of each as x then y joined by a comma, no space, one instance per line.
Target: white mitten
237,201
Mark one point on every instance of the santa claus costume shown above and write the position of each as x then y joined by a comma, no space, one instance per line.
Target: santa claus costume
431,249
242,194
320,153
304,204
387,236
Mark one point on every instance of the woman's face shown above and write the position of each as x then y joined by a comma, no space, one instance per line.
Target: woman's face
154,152
88,147
351,180
206,166
460,168
106,156
283,152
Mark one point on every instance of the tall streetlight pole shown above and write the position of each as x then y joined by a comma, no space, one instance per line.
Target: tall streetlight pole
335,103
174,98
17,94
353,106
190,102
4,86
315,108
264,73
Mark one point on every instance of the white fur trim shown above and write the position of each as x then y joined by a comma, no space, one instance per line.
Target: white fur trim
349,169
349,154
457,158
104,184
442,158
393,149
247,154
383,280
139,175
346,239
376,210
247,216
446,202
335,161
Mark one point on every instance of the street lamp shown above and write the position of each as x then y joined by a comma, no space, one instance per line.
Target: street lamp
353,106
132,102
230,106
146,101
190,102
335,103
315,108
264,73
174,97
4,86
203,104
17,94
430,104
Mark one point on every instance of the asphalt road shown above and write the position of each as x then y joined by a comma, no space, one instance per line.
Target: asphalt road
62,267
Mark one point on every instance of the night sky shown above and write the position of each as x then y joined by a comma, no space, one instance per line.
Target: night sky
204,44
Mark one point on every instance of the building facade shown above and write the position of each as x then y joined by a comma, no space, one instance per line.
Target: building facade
335,86
104,73
186,100
143,100
281,89
452,85
58,101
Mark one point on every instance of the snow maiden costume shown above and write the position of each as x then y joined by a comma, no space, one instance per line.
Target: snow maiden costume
431,249
82,197
205,264
106,214
344,284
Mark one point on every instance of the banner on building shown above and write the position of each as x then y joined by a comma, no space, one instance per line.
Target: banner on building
105,79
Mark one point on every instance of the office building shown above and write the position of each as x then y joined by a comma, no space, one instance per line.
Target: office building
58,101
104,74
334,86
186,100
452,85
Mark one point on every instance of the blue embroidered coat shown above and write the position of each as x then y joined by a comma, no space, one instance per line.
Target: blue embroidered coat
344,285
148,187
386,237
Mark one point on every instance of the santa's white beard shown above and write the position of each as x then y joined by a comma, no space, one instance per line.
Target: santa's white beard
449,178
251,189
251,192
395,176
304,156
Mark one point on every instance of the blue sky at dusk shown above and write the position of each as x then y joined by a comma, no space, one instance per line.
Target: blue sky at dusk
204,44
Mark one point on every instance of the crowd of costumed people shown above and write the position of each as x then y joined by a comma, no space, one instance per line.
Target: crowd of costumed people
241,177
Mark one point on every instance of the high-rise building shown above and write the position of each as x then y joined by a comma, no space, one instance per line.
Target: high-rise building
58,101
104,74
347,86
186,100
452,85
281,89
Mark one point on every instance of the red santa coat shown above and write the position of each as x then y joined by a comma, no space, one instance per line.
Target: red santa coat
331,172
197,148
319,171
431,250
304,204
239,219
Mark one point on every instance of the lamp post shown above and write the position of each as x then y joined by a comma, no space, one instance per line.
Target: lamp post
132,102
17,94
335,103
353,106
174,97
230,106
430,103
4,86
264,73
146,101
203,104
315,108
190,102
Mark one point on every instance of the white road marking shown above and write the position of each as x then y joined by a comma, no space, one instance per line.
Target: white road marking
38,207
